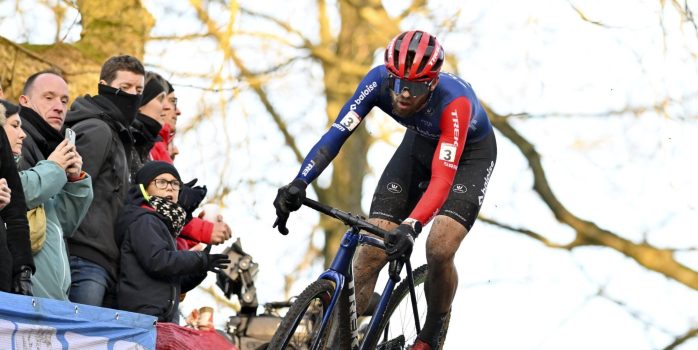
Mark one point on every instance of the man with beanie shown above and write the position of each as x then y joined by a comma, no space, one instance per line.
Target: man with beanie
153,272
161,149
52,178
149,120
105,142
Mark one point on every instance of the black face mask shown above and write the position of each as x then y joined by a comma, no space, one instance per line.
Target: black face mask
127,103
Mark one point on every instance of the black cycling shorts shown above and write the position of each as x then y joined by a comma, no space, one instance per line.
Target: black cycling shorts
398,190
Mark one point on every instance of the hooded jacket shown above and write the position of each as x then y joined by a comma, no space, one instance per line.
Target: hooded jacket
153,272
65,203
104,141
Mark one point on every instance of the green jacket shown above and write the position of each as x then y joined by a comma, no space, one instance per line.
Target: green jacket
65,203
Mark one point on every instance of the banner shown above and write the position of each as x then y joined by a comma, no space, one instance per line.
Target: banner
38,323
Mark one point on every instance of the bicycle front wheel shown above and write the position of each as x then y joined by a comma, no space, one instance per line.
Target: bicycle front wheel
300,328
397,329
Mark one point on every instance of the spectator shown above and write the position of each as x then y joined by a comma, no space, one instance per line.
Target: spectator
104,140
16,261
51,175
161,149
149,120
197,229
153,272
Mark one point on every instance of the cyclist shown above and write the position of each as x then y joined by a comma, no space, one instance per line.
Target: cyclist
449,142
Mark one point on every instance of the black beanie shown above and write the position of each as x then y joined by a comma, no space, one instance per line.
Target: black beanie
10,108
152,169
170,88
151,90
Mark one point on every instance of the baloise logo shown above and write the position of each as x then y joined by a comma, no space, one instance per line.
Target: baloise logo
394,187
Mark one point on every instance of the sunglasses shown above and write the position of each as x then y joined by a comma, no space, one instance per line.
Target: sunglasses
415,88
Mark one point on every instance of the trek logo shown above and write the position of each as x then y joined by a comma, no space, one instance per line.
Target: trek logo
487,181
394,187
460,188
352,310
434,56
308,168
456,132
365,92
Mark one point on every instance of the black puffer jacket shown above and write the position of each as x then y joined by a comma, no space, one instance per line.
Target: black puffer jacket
15,249
145,132
105,143
152,271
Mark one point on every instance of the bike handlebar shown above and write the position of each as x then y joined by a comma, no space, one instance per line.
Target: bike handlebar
350,219
347,218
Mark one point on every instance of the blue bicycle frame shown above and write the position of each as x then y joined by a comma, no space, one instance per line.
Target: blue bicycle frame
340,272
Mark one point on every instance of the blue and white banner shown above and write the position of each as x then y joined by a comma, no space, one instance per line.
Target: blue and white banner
38,323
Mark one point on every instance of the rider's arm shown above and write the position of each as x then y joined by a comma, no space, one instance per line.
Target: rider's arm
349,118
455,120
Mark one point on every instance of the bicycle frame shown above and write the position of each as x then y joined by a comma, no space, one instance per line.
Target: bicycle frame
340,272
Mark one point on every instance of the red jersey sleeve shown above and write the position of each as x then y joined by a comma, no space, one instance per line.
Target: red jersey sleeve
455,120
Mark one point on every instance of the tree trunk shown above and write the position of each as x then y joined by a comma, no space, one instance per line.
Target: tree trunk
357,42
108,28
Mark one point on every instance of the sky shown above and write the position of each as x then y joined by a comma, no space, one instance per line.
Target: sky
630,173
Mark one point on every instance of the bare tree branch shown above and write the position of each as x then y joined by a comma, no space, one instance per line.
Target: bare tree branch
587,232
526,232
585,18
690,334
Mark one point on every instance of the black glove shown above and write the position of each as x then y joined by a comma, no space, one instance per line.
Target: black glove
215,262
22,281
399,242
288,198
190,197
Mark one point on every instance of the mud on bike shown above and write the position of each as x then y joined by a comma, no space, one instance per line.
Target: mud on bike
324,314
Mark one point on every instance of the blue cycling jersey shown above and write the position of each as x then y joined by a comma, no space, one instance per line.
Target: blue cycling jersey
428,122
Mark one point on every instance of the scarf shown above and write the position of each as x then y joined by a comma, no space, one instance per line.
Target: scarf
173,212
48,138
127,104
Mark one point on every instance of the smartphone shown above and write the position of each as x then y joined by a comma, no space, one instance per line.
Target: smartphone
70,135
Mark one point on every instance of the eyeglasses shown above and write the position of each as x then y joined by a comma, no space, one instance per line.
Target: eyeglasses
173,101
415,88
162,184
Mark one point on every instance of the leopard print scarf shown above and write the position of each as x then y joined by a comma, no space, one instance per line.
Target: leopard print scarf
172,211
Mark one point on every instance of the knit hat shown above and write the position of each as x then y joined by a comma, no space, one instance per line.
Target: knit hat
152,169
153,87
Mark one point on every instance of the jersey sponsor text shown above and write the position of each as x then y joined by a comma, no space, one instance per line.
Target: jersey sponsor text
365,92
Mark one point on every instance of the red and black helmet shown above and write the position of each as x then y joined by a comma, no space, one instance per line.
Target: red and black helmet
414,55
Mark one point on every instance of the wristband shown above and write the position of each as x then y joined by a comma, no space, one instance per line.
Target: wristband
415,224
